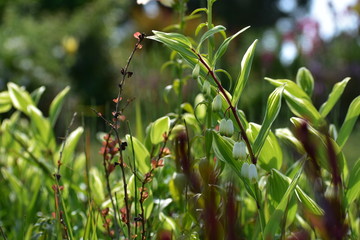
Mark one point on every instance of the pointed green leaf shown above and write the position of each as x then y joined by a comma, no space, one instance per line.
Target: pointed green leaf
353,187
198,10
20,98
208,34
288,137
349,122
298,101
160,127
308,202
305,80
273,225
96,186
224,45
5,102
37,93
272,110
244,74
334,96
199,27
222,147
56,105
142,156
271,153
41,124
70,145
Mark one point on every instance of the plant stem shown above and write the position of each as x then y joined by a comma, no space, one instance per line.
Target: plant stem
209,22
232,108
108,187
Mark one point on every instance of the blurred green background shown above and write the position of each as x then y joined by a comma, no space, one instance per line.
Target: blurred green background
85,43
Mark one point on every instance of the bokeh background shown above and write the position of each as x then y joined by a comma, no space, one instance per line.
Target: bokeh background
85,43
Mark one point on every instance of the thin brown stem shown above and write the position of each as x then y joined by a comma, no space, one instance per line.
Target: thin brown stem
147,179
108,187
231,106
122,167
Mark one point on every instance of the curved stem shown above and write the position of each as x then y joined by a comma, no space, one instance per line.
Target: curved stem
232,108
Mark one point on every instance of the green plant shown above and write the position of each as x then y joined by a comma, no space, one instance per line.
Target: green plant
203,171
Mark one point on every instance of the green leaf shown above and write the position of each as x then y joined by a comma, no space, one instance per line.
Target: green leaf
70,145
244,74
334,96
142,156
222,147
298,101
277,186
271,154
208,34
353,186
96,185
37,93
20,98
224,45
178,45
198,10
272,110
227,75
41,124
56,105
288,137
305,80
276,218
187,107
349,122
308,202
5,102
199,27
160,126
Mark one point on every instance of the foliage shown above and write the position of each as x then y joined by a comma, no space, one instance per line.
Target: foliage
196,172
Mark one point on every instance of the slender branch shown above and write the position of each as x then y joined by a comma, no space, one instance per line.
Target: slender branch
231,106
108,187
3,233
57,189
147,179
122,167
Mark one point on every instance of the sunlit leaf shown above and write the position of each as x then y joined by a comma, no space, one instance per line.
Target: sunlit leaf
334,96
272,110
158,129
271,154
224,45
37,93
20,98
142,156
209,33
41,124
70,144
273,224
56,105
353,187
349,122
298,101
305,80
244,73
5,102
